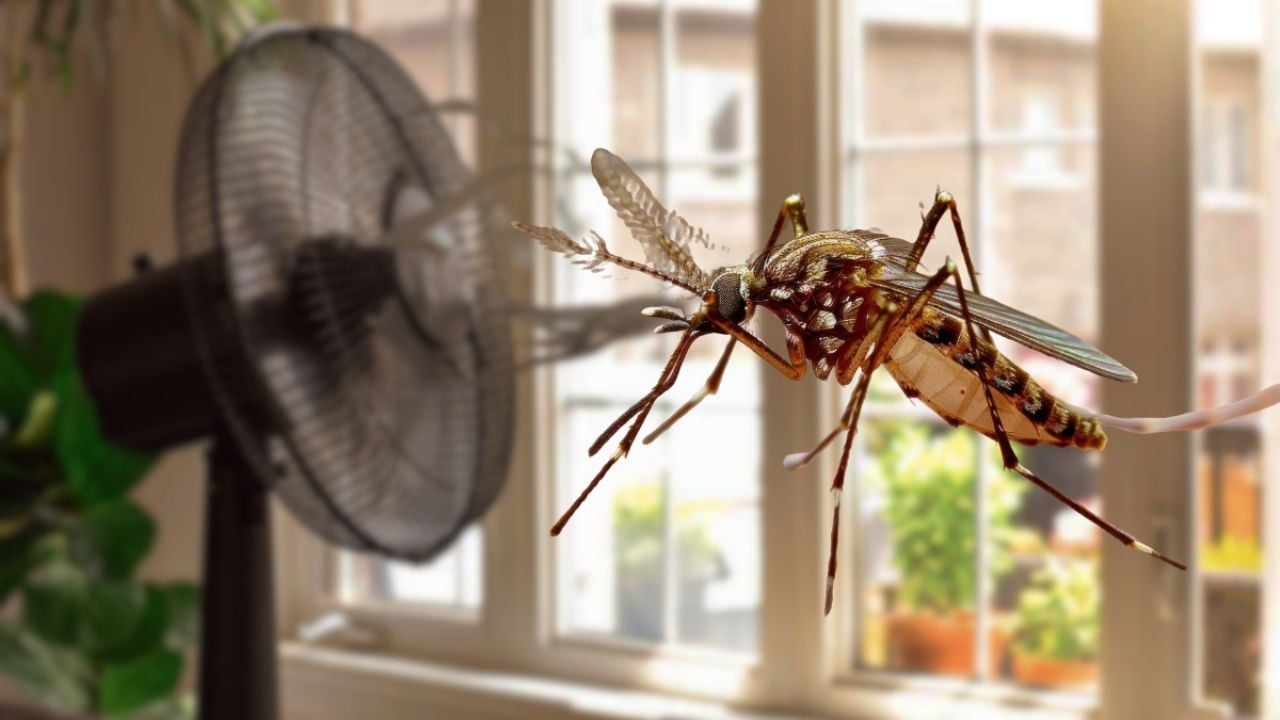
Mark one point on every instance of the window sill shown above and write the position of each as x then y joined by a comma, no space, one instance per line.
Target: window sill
323,683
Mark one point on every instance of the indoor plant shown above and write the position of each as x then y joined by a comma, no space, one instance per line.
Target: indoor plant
928,485
82,634
1055,638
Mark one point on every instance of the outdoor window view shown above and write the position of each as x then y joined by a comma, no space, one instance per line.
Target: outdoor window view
957,568
962,569
668,550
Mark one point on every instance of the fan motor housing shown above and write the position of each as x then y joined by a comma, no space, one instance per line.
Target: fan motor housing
141,364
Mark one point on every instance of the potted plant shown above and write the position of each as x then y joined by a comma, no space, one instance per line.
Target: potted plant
928,484
1055,640
81,634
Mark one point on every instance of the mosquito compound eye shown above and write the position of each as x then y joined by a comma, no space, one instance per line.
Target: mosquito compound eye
729,301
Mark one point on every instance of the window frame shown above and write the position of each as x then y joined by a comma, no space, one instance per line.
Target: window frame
802,655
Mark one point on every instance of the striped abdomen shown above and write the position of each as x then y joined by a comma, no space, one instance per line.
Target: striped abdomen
938,365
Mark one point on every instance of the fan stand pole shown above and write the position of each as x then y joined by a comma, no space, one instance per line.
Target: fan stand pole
238,639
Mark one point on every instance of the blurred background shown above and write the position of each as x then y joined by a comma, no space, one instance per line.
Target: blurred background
1115,162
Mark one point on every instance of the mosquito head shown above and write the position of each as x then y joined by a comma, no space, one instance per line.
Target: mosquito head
730,288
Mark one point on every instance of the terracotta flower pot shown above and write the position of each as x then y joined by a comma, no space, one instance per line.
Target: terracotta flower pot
938,644
1032,670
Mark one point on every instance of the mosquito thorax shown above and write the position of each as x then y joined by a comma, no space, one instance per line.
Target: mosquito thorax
730,287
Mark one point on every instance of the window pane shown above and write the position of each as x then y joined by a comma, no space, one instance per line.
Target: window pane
915,547
432,40
451,580
1028,203
636,85
667,549
1041,252
916,81
1040,88
1230,317
1041,258
895,185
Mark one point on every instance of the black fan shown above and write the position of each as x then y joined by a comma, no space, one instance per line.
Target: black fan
360,370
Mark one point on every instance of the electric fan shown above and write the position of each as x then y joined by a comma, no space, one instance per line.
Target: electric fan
361,372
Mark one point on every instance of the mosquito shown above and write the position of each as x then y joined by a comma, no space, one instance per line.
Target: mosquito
852,302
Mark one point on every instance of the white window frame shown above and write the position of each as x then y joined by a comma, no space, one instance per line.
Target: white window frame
801,666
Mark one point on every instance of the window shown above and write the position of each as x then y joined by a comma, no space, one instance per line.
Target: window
667,550
432,40
696,568
962,569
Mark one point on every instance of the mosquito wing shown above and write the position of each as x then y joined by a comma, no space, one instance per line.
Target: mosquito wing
664,235
1013,324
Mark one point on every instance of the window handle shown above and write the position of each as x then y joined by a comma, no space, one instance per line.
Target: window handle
1171,581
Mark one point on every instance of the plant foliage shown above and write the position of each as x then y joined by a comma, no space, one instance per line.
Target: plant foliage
928,482
87,636
1057,616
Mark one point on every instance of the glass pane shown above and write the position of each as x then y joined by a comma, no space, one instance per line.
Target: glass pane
433,41
451,580
1042,251
1040,256
677,520
613,578
916,81
716,516
894,186
916,483
1042,88
1230,317
636,83
712,110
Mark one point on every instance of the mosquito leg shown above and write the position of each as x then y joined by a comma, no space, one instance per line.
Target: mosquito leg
945,203
648,398
793,208
711,386
757,346
985,357
665,381
901,320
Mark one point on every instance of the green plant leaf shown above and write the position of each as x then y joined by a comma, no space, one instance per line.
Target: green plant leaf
148,626
51,604
17,382
96,471
50,345
112,612
60,679
129,687
22,553
112,538
37,426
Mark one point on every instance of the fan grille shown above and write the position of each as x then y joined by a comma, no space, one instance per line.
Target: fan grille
381,413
